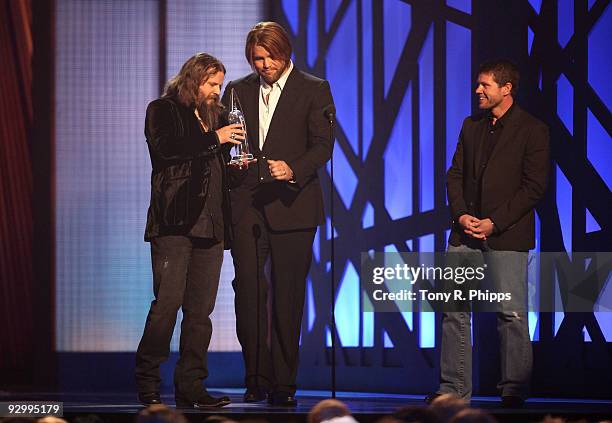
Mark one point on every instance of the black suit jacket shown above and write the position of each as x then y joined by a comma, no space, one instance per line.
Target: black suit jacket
513,181
298,134
180,155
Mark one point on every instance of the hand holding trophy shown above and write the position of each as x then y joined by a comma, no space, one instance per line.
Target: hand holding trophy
241,153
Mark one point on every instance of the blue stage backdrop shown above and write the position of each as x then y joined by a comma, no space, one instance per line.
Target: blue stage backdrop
402,76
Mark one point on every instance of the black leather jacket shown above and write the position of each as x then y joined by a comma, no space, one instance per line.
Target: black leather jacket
180,155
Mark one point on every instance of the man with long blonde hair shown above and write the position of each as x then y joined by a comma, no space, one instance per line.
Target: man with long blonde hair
276,209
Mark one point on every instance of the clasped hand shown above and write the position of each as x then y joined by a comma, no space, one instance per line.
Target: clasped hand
476,228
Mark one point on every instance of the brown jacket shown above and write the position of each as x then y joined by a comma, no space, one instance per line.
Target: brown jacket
513,182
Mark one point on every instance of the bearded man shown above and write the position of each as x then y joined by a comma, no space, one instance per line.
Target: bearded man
186,227
276,209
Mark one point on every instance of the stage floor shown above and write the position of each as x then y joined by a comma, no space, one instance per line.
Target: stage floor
366,407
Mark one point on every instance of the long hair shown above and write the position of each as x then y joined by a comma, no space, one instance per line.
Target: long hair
270,36
185,85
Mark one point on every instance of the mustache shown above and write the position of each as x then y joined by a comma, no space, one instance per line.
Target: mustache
202,101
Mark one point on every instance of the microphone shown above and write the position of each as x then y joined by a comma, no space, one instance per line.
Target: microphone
330,113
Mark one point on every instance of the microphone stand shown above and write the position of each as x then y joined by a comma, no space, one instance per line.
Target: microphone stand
329,113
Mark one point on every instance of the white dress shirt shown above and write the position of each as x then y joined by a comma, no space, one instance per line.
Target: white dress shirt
268,99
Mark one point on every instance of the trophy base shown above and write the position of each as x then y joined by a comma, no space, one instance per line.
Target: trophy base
242,161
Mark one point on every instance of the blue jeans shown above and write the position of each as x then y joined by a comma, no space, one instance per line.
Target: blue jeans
506,272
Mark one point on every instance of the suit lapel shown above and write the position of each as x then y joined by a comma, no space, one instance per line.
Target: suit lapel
479,144
284,108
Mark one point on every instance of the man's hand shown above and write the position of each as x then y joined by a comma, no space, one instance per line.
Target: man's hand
280,170
231,133
483,228
469,224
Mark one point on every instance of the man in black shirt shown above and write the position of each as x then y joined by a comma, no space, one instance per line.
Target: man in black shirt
498,174
186,227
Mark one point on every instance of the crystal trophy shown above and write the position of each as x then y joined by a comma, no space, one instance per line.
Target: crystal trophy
241,153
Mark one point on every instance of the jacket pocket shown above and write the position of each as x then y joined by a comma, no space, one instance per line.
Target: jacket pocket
174,200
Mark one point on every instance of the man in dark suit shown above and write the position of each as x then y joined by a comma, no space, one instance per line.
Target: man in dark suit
276,209
498,174
186,227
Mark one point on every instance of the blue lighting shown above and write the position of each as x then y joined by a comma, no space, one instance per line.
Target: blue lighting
591,223
565,102
533,278
311,305
329,229
345,179
367,107
533,318
426,124
530,37
564,207
406,315
427,332
387,342
312,35
341,71
331,7
396,28
291,9
565,20
367,329
599,148
426,244
347,308
463,5
368,216
316,245
537,5
398,160
458,84
427,319
558,316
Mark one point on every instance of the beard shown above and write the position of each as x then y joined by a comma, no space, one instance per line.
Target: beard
274,77
209,109
489,102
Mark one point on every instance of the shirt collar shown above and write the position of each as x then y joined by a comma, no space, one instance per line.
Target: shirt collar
502,120
281,81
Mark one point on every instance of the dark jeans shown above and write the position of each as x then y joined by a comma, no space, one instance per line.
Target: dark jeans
270,341
185,274
506,272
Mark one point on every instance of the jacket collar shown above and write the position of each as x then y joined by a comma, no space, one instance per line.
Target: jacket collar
288,97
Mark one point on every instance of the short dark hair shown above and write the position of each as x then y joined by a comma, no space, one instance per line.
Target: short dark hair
272,37
503,71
